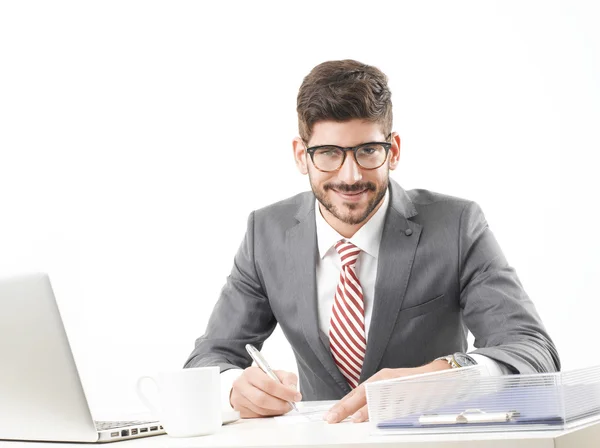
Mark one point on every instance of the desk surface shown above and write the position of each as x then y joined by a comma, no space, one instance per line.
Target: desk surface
269,433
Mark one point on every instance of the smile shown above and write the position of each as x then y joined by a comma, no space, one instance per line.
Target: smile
351,196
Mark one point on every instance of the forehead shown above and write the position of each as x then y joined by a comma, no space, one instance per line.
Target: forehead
345,133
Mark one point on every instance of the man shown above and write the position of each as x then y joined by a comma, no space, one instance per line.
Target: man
366,280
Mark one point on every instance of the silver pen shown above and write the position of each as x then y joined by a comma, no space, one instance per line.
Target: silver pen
262,363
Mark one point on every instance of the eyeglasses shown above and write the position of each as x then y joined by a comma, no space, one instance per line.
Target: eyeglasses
369,156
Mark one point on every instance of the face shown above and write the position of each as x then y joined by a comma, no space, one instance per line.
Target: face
352,194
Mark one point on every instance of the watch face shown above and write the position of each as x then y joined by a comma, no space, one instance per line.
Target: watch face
464,360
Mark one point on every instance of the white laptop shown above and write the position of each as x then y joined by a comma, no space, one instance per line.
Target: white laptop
41,395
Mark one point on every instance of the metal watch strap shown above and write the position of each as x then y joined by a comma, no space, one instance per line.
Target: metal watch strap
450,360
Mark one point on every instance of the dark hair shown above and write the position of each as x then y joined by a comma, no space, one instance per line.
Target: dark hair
342,91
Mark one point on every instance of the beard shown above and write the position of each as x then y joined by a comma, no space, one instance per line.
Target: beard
348,217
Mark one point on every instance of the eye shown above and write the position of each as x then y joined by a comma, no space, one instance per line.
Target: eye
369,150
328,152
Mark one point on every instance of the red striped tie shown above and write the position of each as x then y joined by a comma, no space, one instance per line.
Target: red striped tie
347,326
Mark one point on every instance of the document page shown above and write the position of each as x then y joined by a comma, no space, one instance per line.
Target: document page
308,411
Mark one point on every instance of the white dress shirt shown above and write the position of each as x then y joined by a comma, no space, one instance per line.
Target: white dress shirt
329,265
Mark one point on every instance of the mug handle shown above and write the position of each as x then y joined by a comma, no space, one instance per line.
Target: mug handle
143,397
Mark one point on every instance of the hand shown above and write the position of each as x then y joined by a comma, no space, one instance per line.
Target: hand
254,394
355,403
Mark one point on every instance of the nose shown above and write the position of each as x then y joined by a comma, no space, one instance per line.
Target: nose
350,172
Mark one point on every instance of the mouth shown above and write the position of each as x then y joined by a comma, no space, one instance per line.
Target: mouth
353,196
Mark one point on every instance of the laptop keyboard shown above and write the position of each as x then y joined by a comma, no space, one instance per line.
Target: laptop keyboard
103,426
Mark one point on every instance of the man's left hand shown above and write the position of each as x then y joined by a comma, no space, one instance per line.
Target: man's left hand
355,403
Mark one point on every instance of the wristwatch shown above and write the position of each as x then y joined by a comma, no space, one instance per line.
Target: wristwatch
458,360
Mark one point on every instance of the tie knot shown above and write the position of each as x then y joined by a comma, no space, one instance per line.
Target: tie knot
348,251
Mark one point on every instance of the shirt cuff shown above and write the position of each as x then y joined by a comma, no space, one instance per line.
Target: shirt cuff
227,379
494,368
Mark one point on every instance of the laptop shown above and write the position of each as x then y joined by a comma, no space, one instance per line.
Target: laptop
41,395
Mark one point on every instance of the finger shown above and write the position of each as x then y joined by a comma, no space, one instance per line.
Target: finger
287,378
261,399
238,397
348,405
362,415
332,415
240,401
261,380
245,394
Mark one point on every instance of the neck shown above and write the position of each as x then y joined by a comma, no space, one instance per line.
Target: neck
345,229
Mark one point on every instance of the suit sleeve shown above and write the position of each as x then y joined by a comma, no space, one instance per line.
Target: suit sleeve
241,316
496,309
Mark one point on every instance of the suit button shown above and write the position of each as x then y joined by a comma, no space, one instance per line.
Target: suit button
408,232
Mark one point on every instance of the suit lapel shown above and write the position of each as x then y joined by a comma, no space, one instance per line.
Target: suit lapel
301,248
396,255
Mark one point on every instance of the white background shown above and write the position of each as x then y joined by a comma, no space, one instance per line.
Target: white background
136,137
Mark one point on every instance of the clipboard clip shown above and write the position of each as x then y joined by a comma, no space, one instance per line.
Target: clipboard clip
468,416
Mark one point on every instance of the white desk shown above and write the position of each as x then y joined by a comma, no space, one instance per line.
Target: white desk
269,433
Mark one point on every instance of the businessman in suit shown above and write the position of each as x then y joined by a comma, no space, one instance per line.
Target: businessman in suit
367,281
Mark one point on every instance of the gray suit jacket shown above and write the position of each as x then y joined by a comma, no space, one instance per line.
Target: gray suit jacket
440,272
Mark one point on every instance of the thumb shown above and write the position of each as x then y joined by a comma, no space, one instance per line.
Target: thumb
287,378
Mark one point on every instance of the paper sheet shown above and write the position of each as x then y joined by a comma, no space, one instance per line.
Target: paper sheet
307,413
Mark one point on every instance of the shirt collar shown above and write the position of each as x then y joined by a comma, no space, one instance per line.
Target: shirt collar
367,238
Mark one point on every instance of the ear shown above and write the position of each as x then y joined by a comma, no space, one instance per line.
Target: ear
395,151
300,155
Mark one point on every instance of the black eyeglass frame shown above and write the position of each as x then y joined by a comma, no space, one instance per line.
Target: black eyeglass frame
312,149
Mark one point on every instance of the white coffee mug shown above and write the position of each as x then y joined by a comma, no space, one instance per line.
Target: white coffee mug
189,400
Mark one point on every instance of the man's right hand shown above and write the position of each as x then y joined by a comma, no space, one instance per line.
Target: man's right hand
254,394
